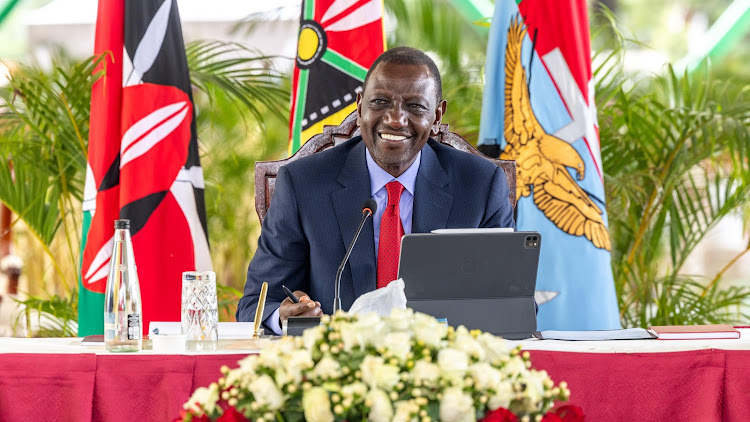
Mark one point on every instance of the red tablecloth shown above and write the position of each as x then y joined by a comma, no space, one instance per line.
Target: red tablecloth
702,385
86,387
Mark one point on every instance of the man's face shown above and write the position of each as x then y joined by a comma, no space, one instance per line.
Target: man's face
396,114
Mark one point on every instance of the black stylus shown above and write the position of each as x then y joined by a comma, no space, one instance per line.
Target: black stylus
290,295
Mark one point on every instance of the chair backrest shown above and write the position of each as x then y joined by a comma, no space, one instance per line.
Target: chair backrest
266,171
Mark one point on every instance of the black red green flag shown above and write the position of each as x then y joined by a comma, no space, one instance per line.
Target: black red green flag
143,161
338,41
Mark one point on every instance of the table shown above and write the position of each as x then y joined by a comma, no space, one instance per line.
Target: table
635,380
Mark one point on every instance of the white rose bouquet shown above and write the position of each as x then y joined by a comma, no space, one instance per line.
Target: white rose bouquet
406,367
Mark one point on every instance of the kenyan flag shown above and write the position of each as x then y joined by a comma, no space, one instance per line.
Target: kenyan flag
143,161
338,41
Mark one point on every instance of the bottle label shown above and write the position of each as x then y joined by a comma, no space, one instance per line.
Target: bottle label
134,326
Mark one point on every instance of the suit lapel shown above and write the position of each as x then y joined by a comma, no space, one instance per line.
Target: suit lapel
432,203
347,203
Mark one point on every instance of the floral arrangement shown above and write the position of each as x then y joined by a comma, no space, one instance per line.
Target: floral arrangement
405,367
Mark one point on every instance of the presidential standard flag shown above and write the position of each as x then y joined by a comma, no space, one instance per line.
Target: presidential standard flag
143,161
538,109
338,41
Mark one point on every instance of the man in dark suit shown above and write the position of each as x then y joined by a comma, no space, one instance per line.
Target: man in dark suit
419,186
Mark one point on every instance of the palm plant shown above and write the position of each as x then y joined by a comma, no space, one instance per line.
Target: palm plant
675,155
43,131
44,118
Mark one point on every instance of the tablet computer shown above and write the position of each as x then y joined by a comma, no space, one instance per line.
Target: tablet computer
480,279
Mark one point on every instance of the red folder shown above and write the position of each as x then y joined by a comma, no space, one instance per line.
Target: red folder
694,332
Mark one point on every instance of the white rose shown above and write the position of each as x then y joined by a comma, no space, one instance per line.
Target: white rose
327,368
453,363
428,329
376,373
502,397
464,341
241,376
317,405
282,376
372,328
457,406
312,336
380,406
367,330
249,364
354,389
398,344
425,372
485,376
534,381
401,319
266,392
495,347
406,411
271,356
298,361
515,367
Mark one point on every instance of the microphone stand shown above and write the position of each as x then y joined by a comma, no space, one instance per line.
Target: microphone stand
366,212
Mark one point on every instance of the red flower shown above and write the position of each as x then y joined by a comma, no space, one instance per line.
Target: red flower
499,415
232,415
551,417
567,413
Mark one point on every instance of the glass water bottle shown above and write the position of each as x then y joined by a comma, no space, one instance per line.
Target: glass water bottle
122,301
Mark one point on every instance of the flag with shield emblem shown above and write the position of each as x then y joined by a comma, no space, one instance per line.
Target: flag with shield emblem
338,41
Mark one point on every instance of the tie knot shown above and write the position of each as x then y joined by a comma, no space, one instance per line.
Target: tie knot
394,192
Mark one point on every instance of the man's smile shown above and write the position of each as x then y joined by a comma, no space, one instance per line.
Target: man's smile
392,137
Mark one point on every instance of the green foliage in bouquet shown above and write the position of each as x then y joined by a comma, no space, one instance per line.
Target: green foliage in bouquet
404,367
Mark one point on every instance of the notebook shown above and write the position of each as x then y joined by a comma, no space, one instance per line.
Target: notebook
694,332
479,279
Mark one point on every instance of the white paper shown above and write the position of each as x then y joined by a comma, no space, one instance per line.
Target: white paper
226,330
381,301
474,230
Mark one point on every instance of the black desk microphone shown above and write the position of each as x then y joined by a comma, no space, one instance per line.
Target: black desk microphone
368,209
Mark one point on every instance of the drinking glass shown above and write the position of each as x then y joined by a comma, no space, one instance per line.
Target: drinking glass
200,313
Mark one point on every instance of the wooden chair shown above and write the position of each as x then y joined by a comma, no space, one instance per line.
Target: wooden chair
266,171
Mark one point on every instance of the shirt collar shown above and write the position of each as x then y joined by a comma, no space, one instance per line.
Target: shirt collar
380,177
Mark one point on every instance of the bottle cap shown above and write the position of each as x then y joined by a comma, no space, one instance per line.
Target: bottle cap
122,224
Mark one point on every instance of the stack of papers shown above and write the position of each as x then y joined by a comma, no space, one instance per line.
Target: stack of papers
595,335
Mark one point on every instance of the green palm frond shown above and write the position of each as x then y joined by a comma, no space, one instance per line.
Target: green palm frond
680,301
43,132
29,195
244,76
676,162
56,316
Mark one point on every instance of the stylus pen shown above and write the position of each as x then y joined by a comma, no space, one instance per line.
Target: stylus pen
290,295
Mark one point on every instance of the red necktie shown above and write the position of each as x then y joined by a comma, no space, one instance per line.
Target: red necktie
391,232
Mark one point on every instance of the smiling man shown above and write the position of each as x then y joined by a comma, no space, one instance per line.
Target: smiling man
418,184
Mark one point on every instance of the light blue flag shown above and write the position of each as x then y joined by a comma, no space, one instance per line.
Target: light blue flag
545,119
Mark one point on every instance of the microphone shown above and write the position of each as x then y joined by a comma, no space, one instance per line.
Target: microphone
368,209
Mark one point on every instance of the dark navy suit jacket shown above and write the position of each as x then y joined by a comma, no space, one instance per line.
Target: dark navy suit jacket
316,209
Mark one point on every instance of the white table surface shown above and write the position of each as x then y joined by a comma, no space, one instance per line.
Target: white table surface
73,345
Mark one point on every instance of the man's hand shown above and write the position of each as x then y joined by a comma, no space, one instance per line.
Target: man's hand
305,307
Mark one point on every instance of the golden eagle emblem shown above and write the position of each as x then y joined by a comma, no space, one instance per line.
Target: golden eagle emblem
542,158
